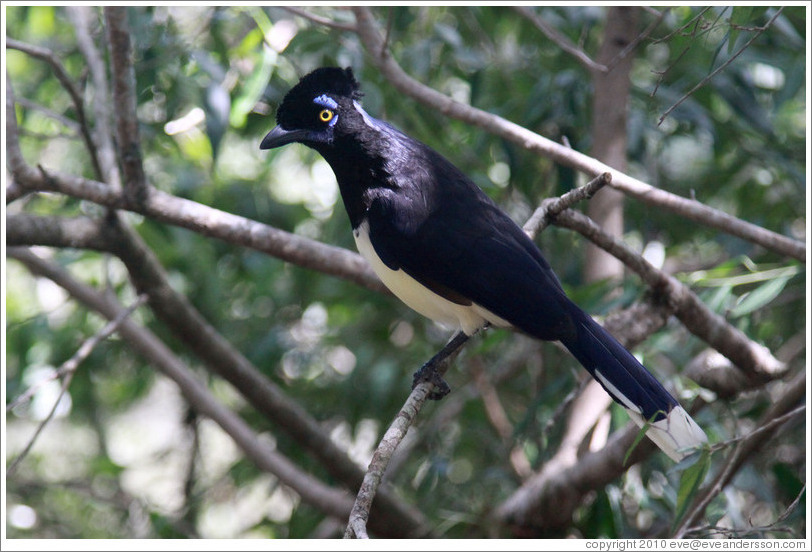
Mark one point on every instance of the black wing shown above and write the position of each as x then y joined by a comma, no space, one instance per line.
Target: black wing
444,232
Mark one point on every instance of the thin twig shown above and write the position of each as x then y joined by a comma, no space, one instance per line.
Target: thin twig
638,39
80,16
661,74
542,216
67,368
791,508
695,20
356,526
560,40
320,20
775,418
62,76
769,426
719,69
67,371
61,119
330,500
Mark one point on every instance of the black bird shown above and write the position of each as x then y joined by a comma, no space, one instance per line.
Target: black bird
442,246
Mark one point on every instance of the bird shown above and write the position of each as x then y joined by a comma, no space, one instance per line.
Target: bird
446,249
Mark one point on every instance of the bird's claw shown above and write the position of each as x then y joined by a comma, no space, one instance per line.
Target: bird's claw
429,373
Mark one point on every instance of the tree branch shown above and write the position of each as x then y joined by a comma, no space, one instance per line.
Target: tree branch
80,16
72,125
205,220
780,412
19,169
547,212
62,76
753,359
66,371
23,229
324,21
359,515
313,491
124,98
548,498
719,69
688,208
560,40
216,353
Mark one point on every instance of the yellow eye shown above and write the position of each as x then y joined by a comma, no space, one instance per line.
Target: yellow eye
326,115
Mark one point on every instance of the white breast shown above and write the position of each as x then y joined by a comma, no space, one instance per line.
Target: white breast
420,298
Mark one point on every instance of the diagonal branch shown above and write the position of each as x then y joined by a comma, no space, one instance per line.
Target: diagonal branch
691,209
719,69
560,40
205,220
753,359
319,19
66,372
217,354
62,76
14,156
546,213
782,411
359,515
332,501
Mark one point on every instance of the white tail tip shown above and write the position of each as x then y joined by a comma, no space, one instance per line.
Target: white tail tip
677,434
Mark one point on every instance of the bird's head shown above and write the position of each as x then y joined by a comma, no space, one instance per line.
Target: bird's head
317,110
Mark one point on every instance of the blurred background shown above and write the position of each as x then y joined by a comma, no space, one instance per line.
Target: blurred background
125,457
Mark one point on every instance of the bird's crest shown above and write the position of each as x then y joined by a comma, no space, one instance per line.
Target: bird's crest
332,81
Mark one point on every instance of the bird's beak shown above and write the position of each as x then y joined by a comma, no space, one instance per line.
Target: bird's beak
279,137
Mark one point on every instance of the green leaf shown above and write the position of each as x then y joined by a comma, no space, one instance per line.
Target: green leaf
637,439
759,297
739,16
718,300
690,482
253,88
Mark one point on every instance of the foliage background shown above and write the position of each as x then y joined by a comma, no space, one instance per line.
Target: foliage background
126,457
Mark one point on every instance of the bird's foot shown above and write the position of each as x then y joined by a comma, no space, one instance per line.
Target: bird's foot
428,372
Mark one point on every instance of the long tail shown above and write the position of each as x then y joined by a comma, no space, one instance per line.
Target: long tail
631,385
